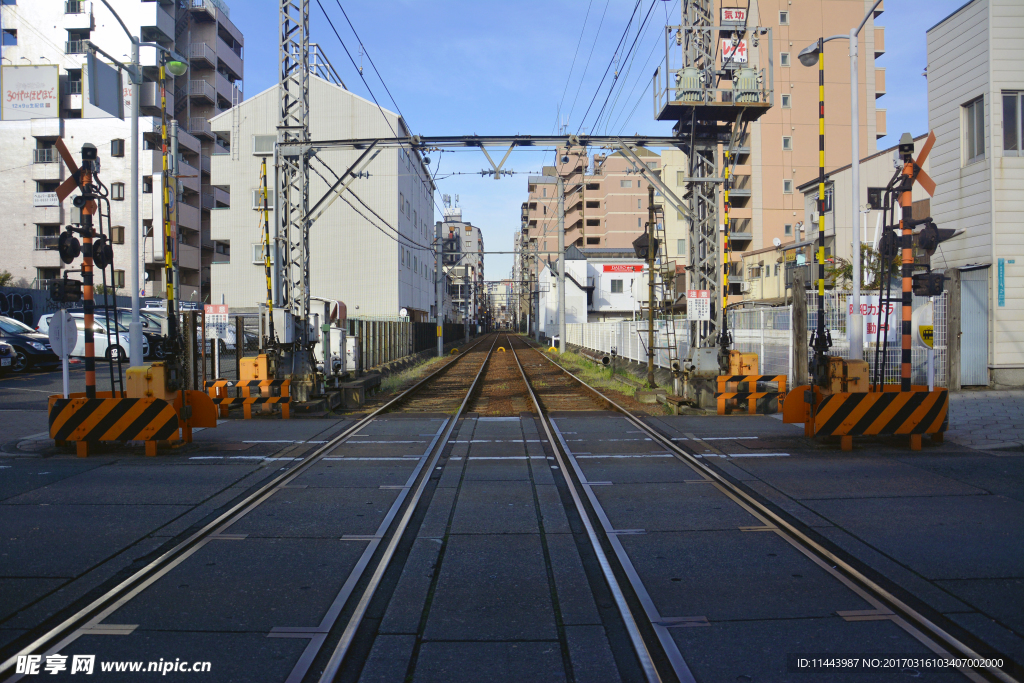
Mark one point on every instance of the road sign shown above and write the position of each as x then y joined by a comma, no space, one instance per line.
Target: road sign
926,333
216,321
698,304
63,335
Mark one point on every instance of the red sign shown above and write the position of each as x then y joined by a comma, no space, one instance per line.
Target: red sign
620,268
731,14
698,294
216,309
737,54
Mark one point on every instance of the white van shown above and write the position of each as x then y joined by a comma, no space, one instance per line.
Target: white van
119,336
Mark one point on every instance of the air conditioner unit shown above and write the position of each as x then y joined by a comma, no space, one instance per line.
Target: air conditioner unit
745,287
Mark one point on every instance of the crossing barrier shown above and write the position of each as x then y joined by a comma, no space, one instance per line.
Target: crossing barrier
731,391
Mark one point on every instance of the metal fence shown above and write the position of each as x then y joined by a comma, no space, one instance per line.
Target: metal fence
767,332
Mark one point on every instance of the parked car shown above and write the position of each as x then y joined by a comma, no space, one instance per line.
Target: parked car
101,347
6,358
31,349
151,326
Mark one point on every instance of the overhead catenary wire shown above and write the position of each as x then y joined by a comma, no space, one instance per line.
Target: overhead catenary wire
572,66
618,46
587,66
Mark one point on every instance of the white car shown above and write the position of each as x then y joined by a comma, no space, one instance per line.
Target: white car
119,335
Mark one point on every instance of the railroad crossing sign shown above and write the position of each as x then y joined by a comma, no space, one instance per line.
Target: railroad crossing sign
216,321
926,332
698,304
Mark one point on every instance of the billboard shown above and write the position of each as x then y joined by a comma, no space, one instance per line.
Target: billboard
30,92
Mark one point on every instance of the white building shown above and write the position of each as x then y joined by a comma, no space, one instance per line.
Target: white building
44,52
377,264
601,285
466,269
975,100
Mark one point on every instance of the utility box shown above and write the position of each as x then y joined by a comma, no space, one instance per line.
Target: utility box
284,326
336,364
253,368
848,376
352,360
703,363
741,363
148,381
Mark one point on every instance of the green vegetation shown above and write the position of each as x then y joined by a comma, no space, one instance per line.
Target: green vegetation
409,376
6,279
593,374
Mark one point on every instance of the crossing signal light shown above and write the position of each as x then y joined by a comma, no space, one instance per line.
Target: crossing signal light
66,290
931,236
68,247
929,284
102,253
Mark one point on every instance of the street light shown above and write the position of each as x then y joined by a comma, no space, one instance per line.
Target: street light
811,56
134,71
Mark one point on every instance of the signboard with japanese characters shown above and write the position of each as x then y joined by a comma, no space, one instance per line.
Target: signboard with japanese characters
734,15
869,307
30,92
734,54
216,321
45,199
698,304
622,268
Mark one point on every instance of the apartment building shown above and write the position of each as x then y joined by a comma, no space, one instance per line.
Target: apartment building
466,270
377,264
975,104
44,51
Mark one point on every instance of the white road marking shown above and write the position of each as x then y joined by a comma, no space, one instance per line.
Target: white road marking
634,455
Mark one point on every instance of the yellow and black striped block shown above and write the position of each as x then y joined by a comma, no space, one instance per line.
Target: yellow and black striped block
732,392
112,419
888,412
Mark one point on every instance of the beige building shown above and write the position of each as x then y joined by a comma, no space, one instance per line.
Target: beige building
51,35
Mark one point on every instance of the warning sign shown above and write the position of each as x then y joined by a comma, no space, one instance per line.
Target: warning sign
216,321
926,332
698,304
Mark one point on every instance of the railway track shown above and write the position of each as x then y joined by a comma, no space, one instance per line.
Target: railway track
499,377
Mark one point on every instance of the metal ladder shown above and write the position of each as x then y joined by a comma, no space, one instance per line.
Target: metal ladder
667,272
236,123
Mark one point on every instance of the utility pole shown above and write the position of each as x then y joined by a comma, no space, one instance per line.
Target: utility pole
439,286
561,264
652,247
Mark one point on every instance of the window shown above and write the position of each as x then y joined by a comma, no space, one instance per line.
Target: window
401,202
784,59
1012,123
593,186
681,247
625,183
789,229
787,143
828,199
10,36
257,198
786,101
263,145
787,186
783,18
117,148
117,192
117,234
593,222
593,205
545,190
616,286
974,131
415,218
118,279
638,204
593,240
639,224
147,185
258,253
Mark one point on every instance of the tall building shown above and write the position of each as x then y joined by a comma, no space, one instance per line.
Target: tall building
43,58
975,104
371,248
466,270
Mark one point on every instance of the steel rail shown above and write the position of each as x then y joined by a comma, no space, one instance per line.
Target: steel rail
333,666
639,645
915,623
65,632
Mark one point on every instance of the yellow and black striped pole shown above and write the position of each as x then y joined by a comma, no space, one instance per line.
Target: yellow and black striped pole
907,245
821,341
266,249
172,318
726,248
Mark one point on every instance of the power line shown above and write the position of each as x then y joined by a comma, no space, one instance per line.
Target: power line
597,91
585,68
568,78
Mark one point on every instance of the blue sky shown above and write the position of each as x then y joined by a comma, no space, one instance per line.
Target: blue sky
461,67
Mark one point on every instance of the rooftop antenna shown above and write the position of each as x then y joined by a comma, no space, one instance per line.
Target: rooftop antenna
360,59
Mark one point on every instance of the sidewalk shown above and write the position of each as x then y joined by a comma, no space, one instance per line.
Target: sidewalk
987,420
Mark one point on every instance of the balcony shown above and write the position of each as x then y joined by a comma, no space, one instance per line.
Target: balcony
879,83
46,242
202,91
229,59
188,216
78,15
199,126
222,198
203,10
74,47
879,123
45,156
188,256
188,176
225,89
149,99
207,201
204,163
202,56
879,41
154,18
